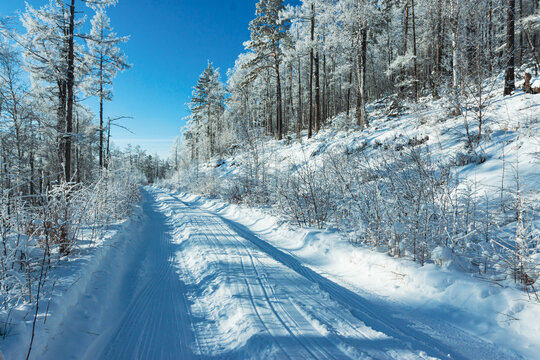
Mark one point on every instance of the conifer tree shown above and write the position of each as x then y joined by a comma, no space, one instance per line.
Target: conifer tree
104,59
207,106
267,34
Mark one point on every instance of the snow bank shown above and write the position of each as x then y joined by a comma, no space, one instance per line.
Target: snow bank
69,283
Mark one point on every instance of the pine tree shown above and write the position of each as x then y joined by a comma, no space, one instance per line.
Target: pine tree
267,34
207,106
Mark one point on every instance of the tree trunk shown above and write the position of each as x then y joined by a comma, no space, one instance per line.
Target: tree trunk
490,35
299,120
269,124
317,95
78,151
310,123
324,96
414,54
438,50
291,102
209,132
455,29
406,28
520,34
101,96
108,152
349,91
279,119
361,75
61,124
70,93
364,74
509,79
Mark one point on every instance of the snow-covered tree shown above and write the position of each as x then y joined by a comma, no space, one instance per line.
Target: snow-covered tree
50,52
207,107
268,32
104,59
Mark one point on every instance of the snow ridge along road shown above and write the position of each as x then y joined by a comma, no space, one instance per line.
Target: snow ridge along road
197,285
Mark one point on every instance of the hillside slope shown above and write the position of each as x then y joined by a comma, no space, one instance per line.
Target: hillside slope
418,185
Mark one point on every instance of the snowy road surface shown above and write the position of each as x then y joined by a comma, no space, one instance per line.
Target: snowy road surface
193,284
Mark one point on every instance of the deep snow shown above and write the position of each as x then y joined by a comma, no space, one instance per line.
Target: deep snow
203,278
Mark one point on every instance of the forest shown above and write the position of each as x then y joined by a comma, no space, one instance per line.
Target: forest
304,65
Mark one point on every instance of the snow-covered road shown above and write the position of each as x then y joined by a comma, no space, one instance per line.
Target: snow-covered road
197,285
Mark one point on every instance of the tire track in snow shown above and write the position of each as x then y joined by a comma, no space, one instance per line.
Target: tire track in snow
262,290
280,323
310,341
157,321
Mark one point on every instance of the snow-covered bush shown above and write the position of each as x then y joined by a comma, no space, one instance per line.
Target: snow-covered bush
471,157
37,231
307,195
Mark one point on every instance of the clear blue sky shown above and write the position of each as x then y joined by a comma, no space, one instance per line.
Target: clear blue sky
171,42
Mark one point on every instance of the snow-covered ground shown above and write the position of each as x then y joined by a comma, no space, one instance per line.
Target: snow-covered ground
370,183
66,284
201,279
433,300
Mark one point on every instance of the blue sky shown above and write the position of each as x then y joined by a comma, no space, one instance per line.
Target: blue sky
171,43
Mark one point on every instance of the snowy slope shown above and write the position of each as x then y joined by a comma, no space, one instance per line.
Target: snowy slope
498,174
501,168
511,133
